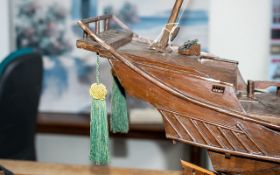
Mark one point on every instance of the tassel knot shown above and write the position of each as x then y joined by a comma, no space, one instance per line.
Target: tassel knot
98,91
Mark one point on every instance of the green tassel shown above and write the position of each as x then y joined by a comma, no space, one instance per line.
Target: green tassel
99,136
119,116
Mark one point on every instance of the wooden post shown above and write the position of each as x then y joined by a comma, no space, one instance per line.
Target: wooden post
195,154
250,89
163,42
85,35
107,23
97,27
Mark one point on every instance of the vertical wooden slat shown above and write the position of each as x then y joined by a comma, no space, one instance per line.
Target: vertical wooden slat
97,27
107,24
85,35
250,89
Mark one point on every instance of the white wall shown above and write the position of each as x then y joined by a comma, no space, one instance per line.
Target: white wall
4,29
239,30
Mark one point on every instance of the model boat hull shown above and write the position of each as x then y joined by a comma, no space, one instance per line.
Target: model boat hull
202,100
195,124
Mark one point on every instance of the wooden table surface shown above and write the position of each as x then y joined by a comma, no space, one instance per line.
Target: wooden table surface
35,168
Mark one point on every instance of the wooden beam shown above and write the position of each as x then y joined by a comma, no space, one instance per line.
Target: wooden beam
78,124
195,169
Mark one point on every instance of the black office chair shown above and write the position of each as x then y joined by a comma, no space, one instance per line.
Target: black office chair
20,88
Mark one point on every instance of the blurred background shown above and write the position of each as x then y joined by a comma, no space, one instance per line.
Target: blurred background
244,30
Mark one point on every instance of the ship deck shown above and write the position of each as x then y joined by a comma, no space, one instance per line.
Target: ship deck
139,50
265,107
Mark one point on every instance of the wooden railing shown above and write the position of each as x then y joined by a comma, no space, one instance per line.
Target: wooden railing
104,21
97,21
253,85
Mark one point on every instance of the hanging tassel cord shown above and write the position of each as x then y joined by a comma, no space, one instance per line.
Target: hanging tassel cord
176,24
97,72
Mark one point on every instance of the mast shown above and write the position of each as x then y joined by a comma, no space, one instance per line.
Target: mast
163,42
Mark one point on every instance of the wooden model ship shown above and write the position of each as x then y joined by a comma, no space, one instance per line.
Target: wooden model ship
203,100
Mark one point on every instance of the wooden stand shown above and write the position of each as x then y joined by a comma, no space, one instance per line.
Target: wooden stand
191,169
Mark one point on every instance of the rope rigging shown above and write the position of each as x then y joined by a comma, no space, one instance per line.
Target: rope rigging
175,25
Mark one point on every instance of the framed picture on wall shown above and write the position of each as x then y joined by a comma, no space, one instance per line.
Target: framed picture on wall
274,65
148,19
51,27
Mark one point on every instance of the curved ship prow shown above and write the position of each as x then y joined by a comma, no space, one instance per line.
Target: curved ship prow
203,100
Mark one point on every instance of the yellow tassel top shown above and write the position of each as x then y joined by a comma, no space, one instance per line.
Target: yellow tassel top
98,91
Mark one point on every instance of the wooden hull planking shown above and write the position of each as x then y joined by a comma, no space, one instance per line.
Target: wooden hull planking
194,124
